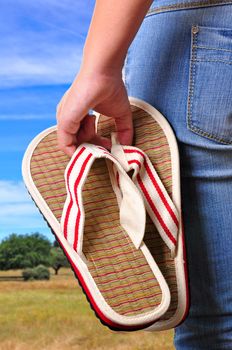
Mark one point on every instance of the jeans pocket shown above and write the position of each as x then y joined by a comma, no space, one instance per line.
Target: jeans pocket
209,110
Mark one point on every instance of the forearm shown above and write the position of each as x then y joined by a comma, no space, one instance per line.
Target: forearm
99,84
113,26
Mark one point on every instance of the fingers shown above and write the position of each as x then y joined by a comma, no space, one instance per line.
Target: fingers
70,113
124,128
76,126
86,133
120,111
66,142
66,135
86,130
72,133
124,120
69,141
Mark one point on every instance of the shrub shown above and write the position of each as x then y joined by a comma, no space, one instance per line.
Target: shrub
28,274
39,272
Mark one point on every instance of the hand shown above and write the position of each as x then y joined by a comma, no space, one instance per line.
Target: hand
105,94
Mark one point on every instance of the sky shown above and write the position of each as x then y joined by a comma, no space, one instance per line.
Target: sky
41,49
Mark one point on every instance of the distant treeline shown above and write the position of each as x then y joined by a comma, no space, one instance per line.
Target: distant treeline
30,250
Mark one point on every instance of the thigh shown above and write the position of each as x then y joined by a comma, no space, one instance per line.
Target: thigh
181,62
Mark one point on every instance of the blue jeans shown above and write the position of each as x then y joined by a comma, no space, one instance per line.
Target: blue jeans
181,62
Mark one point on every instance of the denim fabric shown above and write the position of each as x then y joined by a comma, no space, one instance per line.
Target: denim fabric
181,62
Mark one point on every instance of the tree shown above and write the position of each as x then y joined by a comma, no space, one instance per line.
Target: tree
21,251
58,259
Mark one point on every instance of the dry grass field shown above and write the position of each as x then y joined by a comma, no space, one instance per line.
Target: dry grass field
55,315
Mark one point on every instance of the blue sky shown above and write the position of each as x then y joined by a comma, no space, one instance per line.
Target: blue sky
41,48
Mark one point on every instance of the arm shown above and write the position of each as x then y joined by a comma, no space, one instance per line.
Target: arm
99,84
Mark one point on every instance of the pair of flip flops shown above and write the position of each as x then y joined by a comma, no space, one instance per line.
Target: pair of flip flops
117,217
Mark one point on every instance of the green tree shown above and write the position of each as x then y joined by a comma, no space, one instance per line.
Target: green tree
21,251
58,259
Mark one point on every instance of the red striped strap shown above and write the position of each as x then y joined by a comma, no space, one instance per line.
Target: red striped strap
158,203
132,209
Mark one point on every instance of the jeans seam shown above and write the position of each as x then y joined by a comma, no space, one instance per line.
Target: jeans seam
192,75
194,30
216,60
212,48
208,135
184,6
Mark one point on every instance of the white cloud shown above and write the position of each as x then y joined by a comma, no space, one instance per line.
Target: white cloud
17,210
12,192
42,41
58,66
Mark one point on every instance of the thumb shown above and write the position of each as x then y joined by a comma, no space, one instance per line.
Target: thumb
124,127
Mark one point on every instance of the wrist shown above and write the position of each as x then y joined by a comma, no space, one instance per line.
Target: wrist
98,73
95,85
102,61
101,70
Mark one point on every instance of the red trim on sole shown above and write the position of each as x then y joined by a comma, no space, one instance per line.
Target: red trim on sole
100,314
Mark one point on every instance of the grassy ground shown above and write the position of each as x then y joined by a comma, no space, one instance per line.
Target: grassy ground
54,315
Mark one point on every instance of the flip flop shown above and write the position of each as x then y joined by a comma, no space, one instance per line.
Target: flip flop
155,140
100,227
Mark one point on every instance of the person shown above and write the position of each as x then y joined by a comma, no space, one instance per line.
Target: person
177,56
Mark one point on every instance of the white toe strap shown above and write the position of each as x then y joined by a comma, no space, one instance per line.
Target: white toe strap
132,209
158,203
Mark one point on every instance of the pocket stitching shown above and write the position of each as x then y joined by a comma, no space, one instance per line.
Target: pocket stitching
193,60
212,48
218,60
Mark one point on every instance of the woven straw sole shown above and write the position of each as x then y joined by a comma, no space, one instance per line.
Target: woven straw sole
128,284
152,135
